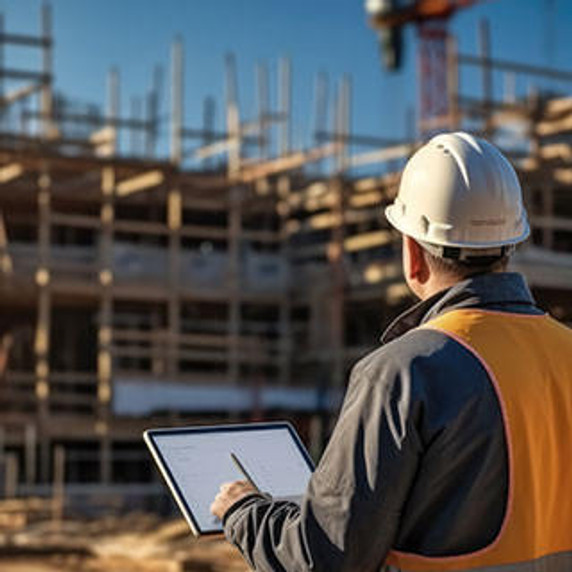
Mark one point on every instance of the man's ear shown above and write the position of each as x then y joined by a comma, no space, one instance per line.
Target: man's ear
418,268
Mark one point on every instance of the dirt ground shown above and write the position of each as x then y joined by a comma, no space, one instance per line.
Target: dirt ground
203,563
133,543
28,566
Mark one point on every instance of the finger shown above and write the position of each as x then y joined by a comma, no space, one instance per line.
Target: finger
214,508
234,485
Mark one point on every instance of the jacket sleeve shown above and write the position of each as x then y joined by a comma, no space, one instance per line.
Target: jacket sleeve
350,513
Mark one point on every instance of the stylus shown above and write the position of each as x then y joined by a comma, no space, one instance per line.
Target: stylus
243,470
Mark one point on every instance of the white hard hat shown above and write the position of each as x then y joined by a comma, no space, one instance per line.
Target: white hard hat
460,193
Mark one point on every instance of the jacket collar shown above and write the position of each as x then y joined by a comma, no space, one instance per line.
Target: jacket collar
503,291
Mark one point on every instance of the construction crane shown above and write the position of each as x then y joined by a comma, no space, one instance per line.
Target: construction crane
430,17
389,17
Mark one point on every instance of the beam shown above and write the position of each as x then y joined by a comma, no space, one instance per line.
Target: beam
552,222
102,136
32,151
139,183
75,220
381,155
10,172
24,40
373,198
554,126
556,107
368,240
225,145
372,183
356,139
21,93
191,133
505,65
563,176
104,141
216,148
554,151
518,108
25,75
94,121
286,163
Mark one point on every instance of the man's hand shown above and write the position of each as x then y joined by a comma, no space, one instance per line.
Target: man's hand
229,494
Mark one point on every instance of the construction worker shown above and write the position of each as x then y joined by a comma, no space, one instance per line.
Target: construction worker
452,449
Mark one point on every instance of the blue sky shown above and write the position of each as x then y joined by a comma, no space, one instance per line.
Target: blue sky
318,35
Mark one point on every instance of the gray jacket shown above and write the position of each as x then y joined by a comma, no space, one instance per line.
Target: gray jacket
417,461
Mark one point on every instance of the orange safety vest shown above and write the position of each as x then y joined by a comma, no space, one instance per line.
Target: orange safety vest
529,361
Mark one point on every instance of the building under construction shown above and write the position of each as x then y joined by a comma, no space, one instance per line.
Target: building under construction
226,275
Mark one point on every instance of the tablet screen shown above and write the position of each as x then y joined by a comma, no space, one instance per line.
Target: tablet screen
197,460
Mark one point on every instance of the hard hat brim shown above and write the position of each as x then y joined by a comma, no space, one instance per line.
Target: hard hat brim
399,223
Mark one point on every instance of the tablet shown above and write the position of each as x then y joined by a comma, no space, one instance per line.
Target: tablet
195,461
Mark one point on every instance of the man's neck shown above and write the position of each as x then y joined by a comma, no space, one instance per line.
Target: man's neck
436,285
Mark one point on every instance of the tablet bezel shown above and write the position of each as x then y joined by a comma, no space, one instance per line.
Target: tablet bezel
149,437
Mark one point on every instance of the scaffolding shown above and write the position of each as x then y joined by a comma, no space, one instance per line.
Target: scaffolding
230,275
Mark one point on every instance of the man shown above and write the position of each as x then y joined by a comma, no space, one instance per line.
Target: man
452,447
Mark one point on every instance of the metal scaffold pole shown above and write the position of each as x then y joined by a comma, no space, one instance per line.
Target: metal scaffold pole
134,135
234,226
234,283
486,76
175,208
320,123
43,324
177,104
232,116
49,128
3,105
105,332
263,105
453,82
283,197
106,279
285,105
337,250
209,117
152,112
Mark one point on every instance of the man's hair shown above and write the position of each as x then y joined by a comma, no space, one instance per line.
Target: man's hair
461,269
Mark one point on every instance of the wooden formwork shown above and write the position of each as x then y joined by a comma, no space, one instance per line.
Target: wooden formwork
261,276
